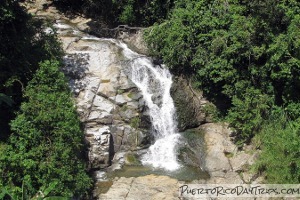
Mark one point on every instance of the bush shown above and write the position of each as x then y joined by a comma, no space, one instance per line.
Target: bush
113,12
47,142
245,56
23,45
280,157
249,113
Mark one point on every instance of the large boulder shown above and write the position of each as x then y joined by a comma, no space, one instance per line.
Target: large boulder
223,160
190,104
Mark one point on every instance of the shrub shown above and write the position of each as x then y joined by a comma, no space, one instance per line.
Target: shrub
47,142
280,157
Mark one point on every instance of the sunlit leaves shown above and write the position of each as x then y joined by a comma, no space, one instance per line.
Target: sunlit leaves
280,156
225,44
47,141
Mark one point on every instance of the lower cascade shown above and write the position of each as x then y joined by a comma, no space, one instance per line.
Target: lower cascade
155,83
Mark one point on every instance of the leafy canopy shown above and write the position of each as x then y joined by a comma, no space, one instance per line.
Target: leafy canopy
23,45
46,144
235,51
245,56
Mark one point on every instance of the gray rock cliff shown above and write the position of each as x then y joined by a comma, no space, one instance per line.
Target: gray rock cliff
109,104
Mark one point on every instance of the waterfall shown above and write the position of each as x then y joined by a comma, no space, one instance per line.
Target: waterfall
155,83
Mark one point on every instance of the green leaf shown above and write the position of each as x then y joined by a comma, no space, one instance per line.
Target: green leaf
52,185
3,193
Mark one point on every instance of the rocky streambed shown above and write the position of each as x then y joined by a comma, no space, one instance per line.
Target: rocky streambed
220,163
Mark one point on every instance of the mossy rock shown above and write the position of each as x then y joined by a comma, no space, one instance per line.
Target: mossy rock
130,95
105,80
132,159
135,122
228,154
120,91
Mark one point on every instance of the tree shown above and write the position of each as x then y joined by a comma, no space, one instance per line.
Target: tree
279,161
24,44
245,56
47,141
113,12
229,46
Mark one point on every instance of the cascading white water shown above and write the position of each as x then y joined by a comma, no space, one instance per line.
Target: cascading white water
155,84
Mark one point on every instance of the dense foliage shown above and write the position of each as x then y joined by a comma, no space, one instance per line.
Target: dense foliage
46,144
279,160
23,45
245,55
113,12
41,150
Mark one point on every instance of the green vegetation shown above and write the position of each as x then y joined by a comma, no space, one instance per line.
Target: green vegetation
280,142
41,195
212,112
132,159
23,45
41,150
245,56
135,122
113,12
46,144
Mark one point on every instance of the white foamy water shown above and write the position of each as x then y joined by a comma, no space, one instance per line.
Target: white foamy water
155,83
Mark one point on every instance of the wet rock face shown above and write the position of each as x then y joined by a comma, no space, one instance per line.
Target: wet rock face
189,104
109,104
192,152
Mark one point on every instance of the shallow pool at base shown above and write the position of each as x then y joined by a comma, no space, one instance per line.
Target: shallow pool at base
185,173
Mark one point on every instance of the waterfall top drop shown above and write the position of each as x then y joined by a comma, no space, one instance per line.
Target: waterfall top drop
155,83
